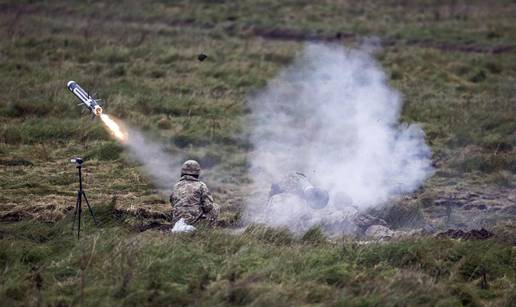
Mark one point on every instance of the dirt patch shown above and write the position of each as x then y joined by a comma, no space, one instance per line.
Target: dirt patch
475,234
16,162
449,203
296,35
154,225
46,209
160,211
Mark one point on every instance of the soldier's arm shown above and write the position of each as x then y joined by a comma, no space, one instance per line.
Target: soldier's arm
206,199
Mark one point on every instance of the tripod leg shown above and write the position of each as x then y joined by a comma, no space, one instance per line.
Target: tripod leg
75,211
89,208
79,202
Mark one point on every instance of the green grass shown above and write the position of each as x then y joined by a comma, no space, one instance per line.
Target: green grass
261,266
454,63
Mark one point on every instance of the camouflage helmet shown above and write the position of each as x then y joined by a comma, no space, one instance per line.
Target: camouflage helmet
191,167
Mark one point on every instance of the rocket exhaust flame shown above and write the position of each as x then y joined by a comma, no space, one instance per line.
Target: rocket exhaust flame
114,128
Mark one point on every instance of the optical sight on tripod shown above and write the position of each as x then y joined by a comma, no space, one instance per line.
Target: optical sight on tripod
77,161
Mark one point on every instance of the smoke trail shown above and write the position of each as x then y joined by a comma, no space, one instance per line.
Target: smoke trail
332,116
162,167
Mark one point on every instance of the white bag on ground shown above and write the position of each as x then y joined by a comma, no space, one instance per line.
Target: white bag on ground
182,226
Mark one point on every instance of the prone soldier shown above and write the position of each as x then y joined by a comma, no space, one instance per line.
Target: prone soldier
298,184
341,217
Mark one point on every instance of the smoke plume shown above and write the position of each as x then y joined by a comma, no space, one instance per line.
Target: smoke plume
161,166
332,116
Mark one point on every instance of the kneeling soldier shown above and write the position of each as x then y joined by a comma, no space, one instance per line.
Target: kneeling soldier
191,199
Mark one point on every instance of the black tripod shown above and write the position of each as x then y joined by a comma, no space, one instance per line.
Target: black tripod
78,205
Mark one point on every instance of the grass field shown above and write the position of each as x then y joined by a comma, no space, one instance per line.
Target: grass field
453,61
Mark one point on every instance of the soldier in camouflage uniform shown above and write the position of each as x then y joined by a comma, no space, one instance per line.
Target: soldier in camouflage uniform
340,217
298,184
294,202
191,199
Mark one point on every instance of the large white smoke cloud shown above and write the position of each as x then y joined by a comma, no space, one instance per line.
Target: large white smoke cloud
333,116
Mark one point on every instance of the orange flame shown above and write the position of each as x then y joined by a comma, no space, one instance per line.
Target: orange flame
114,128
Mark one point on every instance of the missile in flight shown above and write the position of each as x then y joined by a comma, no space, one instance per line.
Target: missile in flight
90,102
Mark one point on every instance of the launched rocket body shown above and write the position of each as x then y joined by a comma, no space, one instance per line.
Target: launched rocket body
88,101
92,104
